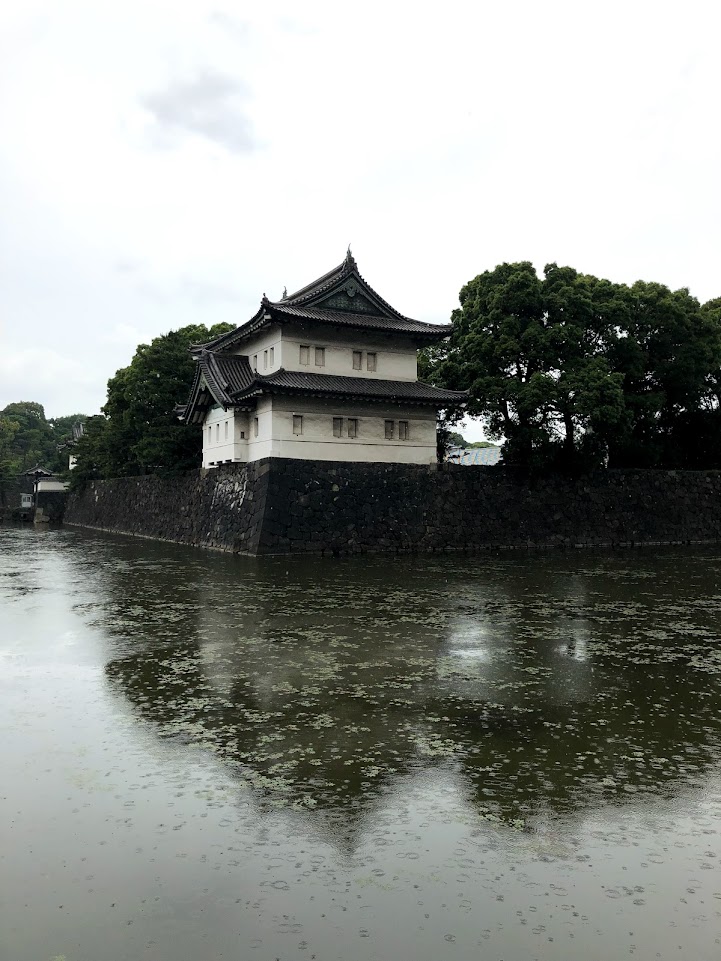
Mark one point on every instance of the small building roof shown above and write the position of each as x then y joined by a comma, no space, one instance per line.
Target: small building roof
38,471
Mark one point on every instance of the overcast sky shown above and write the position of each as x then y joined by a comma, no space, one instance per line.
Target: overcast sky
163,164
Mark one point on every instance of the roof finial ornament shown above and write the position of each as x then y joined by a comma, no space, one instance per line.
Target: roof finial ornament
285,294
349,258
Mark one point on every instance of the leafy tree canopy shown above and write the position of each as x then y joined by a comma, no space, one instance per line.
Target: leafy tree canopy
138,432
573,370
28,438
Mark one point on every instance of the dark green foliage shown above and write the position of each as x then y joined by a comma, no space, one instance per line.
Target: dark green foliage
575,372
27,438
139,432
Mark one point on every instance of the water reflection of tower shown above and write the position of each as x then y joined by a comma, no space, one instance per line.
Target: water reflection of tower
302,692
322,685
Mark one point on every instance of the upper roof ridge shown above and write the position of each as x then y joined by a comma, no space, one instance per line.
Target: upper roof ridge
341,296
321,283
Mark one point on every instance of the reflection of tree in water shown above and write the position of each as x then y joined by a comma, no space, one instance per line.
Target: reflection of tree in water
323,685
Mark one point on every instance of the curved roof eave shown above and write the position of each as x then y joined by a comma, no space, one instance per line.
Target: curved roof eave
310,299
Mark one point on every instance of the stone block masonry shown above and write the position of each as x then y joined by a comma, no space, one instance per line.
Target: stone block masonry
220,509
280,506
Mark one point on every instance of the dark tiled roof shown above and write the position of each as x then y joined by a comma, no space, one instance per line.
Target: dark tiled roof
232,383
307,304
229,373
39,471
225,376
323,283
342,318
330,385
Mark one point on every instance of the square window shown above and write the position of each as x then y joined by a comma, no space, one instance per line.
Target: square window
337,426
304,355
320,357
370,361
352,426
272,356
389,430
402,430
297,424
265,360
357,360
255,427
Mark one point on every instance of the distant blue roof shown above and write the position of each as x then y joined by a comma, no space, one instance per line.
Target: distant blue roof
474,456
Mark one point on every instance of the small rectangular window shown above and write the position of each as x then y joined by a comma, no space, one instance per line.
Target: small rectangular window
357,360
265,360
272,356
320,357
352,426
297,424
255,427
226,430
402,430
304,355
210,435
255,361
217,433
242,435
389,430
370,361
337,426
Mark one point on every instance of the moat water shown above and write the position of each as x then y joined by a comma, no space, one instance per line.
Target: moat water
502,757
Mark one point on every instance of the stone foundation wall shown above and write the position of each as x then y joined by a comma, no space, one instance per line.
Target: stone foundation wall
220,508
281,506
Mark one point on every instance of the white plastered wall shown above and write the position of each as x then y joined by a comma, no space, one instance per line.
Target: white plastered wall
261,445
317,441
395,359
51,484
257,346
225,436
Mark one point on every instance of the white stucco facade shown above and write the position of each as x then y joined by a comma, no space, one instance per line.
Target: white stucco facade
312,350
321,429
45,484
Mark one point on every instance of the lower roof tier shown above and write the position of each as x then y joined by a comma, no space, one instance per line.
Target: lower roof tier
231,382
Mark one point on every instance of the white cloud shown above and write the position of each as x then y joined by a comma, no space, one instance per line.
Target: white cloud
439,143
48,376
125,334
209,104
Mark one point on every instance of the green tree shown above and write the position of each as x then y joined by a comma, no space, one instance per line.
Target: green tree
574,371
139,432
27,437
531,352
8,430
92,452
668,352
